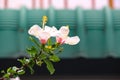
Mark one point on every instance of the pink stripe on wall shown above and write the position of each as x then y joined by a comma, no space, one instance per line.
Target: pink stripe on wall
33,3
66,4
93,4
41,3
49,2
5,3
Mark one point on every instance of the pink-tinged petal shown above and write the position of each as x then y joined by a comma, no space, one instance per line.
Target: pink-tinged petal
72,40
35,30
43,37
60,40
43,41
64,30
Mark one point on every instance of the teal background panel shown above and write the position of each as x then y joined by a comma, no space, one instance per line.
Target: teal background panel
35,16
9,44
109,32
95,43
116,23
65,17
94,23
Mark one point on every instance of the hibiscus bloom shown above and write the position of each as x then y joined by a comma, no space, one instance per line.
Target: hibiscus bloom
62,37
42,34
35,30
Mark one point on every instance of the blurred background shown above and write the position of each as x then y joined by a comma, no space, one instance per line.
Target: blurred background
61,4
96,22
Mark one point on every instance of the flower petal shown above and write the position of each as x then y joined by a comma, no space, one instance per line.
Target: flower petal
64,30
35,30
44,36
17,78
52,30
60,40
72,40
47,29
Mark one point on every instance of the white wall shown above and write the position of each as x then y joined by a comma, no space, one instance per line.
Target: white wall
101,3
117,4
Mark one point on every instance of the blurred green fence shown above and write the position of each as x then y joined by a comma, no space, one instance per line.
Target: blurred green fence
99,31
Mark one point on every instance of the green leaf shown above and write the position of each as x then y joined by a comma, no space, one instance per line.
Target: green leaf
31,69
32,62
49,66
39,63
60,49
24,61
34,41
32,51
7,75
54,58
2,71
49,41
20,72
21,60
43,56
9,69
